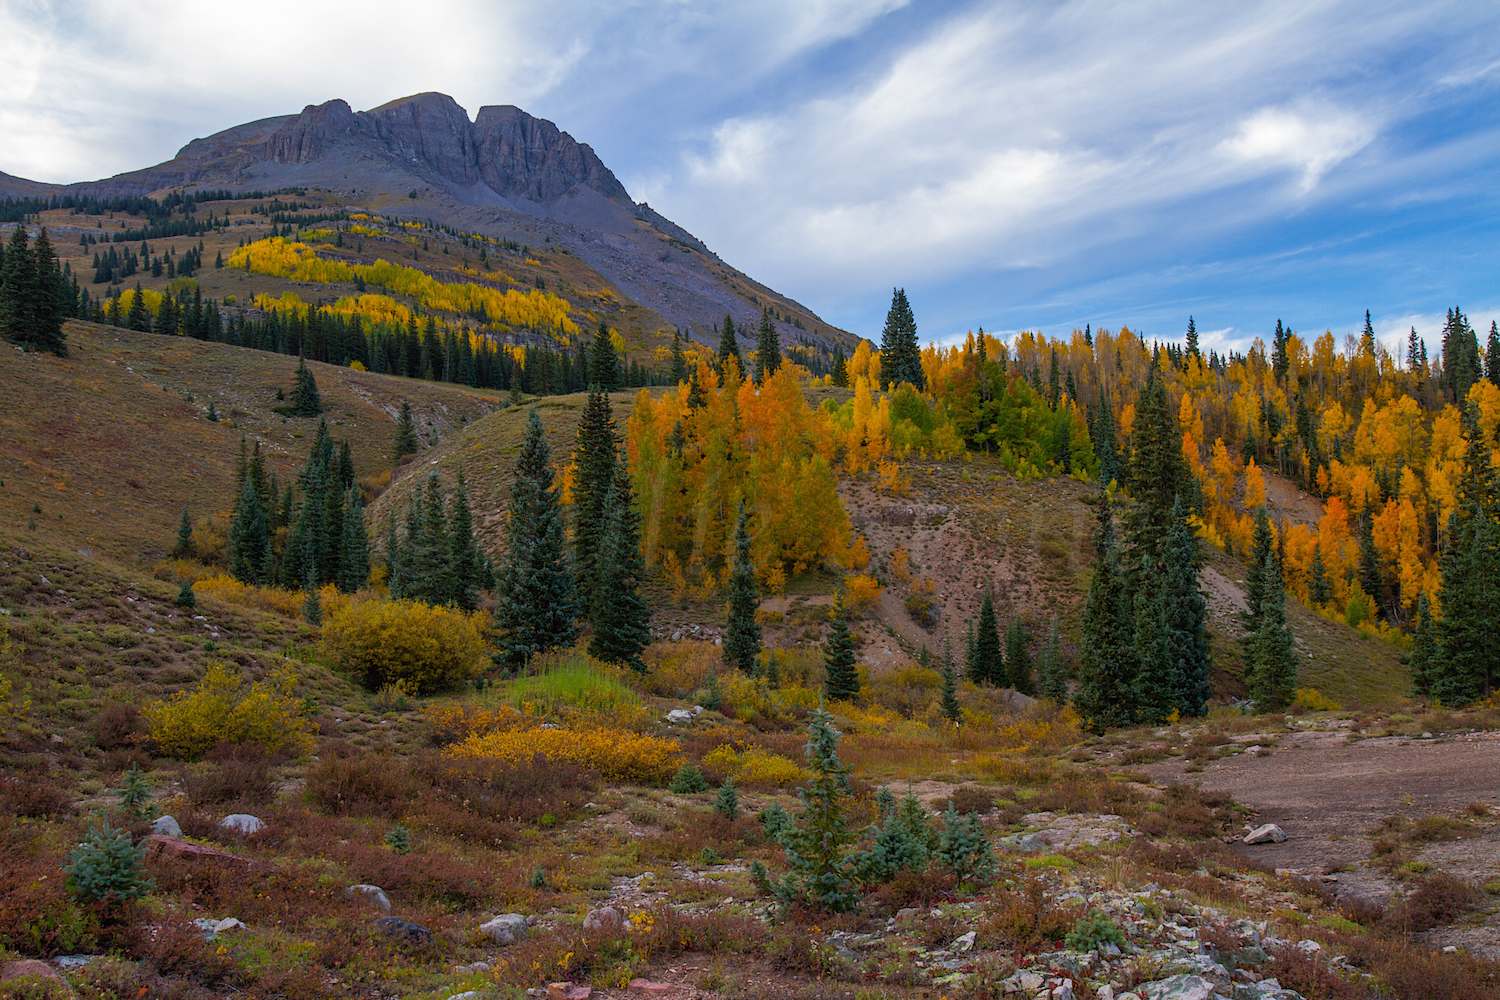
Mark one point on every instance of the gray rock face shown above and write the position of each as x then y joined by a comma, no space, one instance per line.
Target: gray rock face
1268,834
372,894
507,928
166,826
679,717
1184,987
242,823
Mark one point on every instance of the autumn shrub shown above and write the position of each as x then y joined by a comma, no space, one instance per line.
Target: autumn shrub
116,725
1313,700
1440,899
38,915
33,794
236,773
224,707
752,768
287,603
525,791
614,754
429,648
580,688
347,782
1027,920
861,591
454,722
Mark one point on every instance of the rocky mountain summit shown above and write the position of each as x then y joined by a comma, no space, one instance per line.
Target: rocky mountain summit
506,174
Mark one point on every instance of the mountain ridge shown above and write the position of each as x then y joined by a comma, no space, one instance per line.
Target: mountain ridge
505,173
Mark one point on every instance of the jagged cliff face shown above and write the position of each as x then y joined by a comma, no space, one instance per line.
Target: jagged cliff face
506,174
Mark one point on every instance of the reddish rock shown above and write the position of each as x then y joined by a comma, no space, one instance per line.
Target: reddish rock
646,986
32,969
159,845
569,991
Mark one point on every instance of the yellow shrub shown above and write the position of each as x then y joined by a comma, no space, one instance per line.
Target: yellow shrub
223,707
616,754
753,767
1313,700
456,722
429,648
861,591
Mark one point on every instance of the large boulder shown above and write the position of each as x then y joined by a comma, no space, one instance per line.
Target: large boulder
166,826
403,930
507,928
1183,987
242,823
41,972
1268,834
162,846
372,894
605,918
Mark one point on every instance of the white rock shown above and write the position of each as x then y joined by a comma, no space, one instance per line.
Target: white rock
466,995
1268,834
371,894
1178,988
242,823
166,826
507,928
962,943
679,716
605,918
229,924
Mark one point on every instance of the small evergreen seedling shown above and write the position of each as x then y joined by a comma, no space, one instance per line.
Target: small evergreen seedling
106,867
1092,931
949,705
713,698
136,795
964,847
212,414
774,820
538,880
687,781
184,546
399,840
185,597
727,803
312,606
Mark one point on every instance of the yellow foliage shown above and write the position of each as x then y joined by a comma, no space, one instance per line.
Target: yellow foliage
753,767
861,591
616,754
223,707
1313,700
429,648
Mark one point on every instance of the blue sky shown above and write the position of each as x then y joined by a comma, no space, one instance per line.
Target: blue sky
1012,165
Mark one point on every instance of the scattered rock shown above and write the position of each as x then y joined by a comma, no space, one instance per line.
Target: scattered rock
242,823
33,969
606,918
1268,834
568,991
646,986
372,894
1023,842
403,930
1183,987
679,717
75,961
166,826
171,847
963,943
467,995
507,928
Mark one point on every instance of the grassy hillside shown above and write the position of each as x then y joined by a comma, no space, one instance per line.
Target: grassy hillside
101,450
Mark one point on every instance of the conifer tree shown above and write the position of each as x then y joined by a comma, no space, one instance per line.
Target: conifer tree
1492,355
1050,672
1018,658
249,541
1158,472
840,367
768,352
604,363
17,289
184,549
679,361
1419,661
1107,668
305,399
948,704
536,606
594,458
138,319
1371,579
406,434
354,548
1156,680
1106,447
312,605
1273,679
620,616
1261,545
816,841
729,347
742,634
35,296
989,661
841,676
900,354
1192,340
1319,589
465,562
1185,619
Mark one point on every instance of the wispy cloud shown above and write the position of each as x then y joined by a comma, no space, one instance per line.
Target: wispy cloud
1311,141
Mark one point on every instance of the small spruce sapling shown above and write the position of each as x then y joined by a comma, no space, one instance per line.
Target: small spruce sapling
399,840
106,867
185,597
136,795
687,781
727,803
964,848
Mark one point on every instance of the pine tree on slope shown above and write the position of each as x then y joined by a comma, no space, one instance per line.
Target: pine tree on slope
1273,679
900,354
594,457
989,660
1107,670
621,617
768,352
742,634
841,675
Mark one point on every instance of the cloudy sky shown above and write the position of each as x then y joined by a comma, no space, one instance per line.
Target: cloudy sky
1013,165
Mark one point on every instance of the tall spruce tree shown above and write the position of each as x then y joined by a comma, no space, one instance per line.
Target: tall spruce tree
742,633
604,363
1262,544
1185,618
1319,588
1192,340
620,616
1158,473
1273,678
841,675
729,347
1156,671
35,296
840,373
988,666
679,360
768,351
465,561
406,434
184,548
1107,667
354,547
1492,355
18,289
536,608
900,355
249,544
1464,665
594,458
1018,658
1419,661
138,318
948,704
1106,446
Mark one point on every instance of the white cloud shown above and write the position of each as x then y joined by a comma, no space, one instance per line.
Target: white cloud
1310,141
